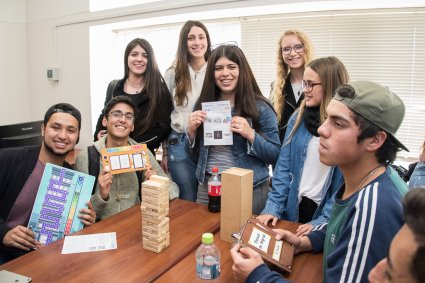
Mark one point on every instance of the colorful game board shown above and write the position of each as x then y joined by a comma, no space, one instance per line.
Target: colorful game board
126,158
61,194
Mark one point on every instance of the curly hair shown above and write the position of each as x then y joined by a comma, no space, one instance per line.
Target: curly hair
283,69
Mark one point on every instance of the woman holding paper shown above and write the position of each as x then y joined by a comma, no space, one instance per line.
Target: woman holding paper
253,124
303,188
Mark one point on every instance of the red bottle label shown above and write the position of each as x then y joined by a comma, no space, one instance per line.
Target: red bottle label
214,191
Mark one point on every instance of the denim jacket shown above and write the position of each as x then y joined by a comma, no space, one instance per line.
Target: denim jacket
283,197
256,156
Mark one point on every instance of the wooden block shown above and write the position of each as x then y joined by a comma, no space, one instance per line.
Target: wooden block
160,179
154,238
161,228
236,201
154,206
155,247
158,213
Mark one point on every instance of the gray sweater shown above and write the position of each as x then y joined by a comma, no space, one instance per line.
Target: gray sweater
124,191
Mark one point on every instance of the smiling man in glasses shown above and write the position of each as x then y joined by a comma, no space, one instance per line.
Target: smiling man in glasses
115,193
20,176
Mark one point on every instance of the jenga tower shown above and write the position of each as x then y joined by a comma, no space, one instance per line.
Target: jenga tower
155,207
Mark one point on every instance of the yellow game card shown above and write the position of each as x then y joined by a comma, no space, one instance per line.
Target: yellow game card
126,158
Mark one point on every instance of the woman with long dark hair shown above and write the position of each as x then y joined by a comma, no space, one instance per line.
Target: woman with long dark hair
254,126
184,80
145,86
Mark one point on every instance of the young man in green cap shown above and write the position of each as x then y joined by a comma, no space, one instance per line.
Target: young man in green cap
359,137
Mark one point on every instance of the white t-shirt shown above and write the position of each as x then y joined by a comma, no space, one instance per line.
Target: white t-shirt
314,174
180,114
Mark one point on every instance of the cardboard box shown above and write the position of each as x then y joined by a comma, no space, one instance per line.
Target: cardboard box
236,201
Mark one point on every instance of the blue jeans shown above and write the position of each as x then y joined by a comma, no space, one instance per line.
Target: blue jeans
182,166
417,180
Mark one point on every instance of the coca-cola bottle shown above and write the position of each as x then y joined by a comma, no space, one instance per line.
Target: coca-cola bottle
214,191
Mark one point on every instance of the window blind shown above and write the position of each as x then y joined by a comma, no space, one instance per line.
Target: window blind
386,46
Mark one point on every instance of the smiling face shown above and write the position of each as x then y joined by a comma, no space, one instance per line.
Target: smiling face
137,61
226,74
119,128
314,96
294,59
60,134
197,43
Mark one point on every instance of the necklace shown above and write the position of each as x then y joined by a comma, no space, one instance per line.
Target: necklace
371,172
137,88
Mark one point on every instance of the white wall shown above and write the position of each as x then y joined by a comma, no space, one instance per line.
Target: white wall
14,96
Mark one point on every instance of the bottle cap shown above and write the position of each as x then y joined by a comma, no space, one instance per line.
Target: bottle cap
214,170
207,238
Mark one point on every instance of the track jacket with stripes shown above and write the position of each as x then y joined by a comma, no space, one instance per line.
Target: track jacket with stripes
360,229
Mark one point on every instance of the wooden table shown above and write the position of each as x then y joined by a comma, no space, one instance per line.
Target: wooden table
307,267
130,262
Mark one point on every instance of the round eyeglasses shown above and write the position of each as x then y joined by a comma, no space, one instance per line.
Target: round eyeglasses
308,85
297,48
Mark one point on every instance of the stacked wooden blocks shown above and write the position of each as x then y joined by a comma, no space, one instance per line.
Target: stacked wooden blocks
155,208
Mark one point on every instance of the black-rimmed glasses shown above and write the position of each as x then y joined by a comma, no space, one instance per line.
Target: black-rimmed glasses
297,48
118,115
308,85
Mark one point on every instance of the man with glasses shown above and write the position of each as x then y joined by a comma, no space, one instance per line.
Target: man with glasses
115,193
20,176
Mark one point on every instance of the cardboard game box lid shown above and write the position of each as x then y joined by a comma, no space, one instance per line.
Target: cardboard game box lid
262,239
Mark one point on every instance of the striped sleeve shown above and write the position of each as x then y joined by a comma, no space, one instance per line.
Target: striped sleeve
372,221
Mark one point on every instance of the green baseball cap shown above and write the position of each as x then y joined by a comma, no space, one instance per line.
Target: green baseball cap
377,104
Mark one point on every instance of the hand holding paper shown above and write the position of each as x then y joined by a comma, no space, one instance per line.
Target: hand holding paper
105,182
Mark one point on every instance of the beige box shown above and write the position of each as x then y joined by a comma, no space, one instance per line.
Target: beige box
236,201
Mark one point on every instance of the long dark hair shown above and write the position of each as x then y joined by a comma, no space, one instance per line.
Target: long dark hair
154,83
182,76
247,90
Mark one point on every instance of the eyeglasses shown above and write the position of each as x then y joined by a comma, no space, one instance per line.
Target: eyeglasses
297,48
308,85
227,43
118,115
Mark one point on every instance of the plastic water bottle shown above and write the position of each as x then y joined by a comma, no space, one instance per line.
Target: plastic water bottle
214,191
208,259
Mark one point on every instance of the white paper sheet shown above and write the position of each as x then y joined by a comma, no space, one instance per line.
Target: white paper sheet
89,243
217,124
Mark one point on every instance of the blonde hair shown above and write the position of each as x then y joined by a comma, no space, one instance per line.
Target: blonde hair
332,73
283,69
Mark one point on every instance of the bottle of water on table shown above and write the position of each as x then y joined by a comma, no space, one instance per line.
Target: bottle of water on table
208,259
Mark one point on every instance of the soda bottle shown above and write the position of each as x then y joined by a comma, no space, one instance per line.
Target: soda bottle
208,259
214,191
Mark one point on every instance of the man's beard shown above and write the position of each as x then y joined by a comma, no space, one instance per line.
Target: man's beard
50,149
